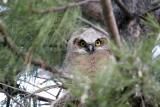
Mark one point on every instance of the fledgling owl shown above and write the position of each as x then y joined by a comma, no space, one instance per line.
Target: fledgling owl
87,52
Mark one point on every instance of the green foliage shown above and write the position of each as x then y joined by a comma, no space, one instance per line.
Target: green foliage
115,86
45,36
134,75
9,66
153,23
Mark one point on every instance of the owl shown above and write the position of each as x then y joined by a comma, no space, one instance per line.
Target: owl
87,52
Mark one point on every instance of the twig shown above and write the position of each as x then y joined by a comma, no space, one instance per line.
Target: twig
142,16
27,93
93,26
62,8
124,9
110,21
132,15
65,99
60,90
151,10
43,89
9,96
39,89
46,79
8,100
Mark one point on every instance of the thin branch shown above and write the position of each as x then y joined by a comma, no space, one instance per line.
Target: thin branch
151,10
110,21
10,97
8,100
27,93
124,9
132,15
62,8
142,16
46,79
94,26
65,99
60,90
41,89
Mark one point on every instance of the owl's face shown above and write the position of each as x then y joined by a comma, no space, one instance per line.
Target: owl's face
88,42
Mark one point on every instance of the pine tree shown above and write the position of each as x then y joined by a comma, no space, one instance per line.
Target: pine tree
33,35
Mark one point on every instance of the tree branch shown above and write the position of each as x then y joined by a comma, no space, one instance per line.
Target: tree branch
151,10
65,99
142,16
8,42
62,8
94,26
132,15
10,97
110,21
26,93
124,9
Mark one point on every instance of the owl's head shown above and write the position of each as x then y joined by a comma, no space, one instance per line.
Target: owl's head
87,41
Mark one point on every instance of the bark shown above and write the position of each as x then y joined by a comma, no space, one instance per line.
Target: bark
110,21
128,27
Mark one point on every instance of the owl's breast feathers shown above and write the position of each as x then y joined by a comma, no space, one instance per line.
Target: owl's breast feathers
89,63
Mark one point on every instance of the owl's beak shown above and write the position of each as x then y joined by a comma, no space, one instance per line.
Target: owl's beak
90,48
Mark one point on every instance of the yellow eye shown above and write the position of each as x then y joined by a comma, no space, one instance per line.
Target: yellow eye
98,43
82,43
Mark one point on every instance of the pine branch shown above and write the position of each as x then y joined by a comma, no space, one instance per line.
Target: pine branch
8,42
133,15
94,26
120,3
142,16
110,21
62,8
151,10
